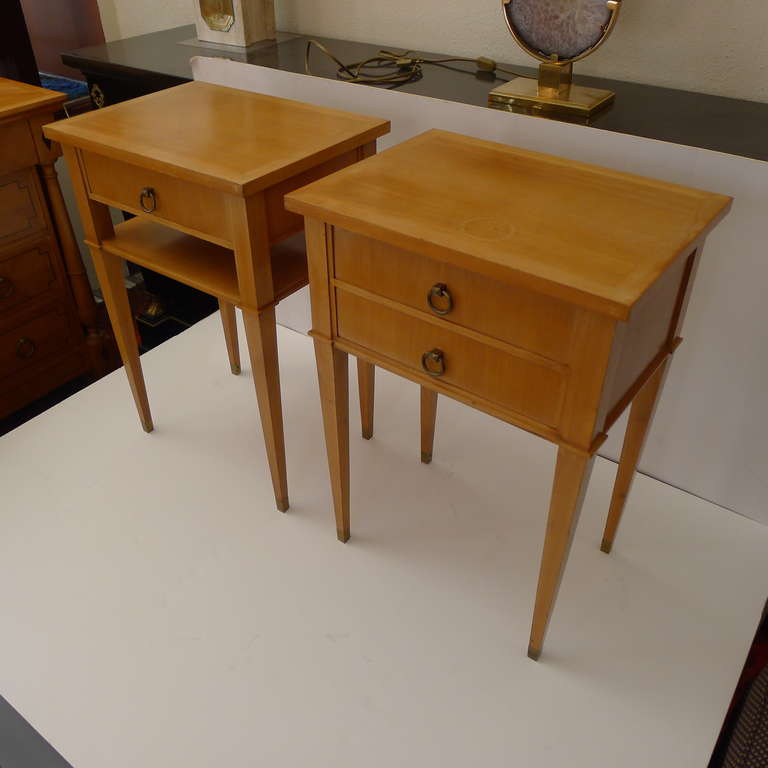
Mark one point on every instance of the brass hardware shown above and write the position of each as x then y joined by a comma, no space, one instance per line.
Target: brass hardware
6,287
25,348
97,96
433,356
440,291
219,15
148,192
553,95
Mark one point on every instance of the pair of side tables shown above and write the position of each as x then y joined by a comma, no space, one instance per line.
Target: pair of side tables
545,292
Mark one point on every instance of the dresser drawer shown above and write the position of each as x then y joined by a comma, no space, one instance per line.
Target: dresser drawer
17,148
522,384
32,340
21,206
25,275
196,209
517,316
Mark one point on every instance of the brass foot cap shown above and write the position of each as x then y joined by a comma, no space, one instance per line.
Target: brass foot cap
236,369
533,653
367,434
147,426
426,458
342,536
605,546
282,505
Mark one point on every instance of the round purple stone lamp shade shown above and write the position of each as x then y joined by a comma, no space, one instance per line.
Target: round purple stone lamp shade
565,28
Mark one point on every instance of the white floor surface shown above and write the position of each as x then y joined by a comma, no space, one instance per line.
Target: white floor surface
157,611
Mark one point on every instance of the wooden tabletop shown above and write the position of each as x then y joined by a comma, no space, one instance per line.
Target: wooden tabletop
16,97
593,236
223,137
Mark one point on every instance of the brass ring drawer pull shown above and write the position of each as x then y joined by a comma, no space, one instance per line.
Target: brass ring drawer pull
433,362
440,291
25,348
148,193
6,287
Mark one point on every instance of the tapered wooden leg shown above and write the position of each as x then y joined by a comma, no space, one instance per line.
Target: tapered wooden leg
366,377
333,375
261,333
571,479
109,270
428,417
229,322
640,417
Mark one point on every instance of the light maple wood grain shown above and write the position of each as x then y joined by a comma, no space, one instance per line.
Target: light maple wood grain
595,237
557,288
218,162
229,325
18,98
519,317
428,417
366,381
572,474
640,417
535,390
222,138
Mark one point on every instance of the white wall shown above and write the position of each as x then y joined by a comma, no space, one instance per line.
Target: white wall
698,45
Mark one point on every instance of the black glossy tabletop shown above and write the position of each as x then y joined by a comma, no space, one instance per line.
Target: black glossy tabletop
699,120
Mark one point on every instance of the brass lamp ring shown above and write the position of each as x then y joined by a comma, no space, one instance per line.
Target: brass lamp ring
434,357
440,291
148,193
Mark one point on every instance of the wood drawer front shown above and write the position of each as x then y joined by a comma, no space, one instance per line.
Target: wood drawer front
17,148
517,316
191,207
22,212
25,275
515,383
33,340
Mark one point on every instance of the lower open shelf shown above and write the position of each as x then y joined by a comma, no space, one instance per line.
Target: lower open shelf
203,265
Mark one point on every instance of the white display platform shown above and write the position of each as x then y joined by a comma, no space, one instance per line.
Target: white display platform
158,612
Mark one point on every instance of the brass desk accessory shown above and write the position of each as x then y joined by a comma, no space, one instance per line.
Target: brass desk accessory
557,33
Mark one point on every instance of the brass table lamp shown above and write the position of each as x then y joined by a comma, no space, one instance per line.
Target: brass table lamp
557,33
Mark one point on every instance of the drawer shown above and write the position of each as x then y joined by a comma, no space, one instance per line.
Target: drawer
32,340
17,147
515,315
22,212
521,384
25,275
196,209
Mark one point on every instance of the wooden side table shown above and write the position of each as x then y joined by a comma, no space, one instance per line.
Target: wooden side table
545,292
205,169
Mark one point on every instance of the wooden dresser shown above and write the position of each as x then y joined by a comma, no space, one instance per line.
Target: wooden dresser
48,330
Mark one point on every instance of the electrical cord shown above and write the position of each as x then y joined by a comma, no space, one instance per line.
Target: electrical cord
391,68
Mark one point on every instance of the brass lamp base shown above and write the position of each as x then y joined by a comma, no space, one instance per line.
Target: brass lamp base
574,103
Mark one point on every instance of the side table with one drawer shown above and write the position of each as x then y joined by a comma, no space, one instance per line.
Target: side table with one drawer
204,169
